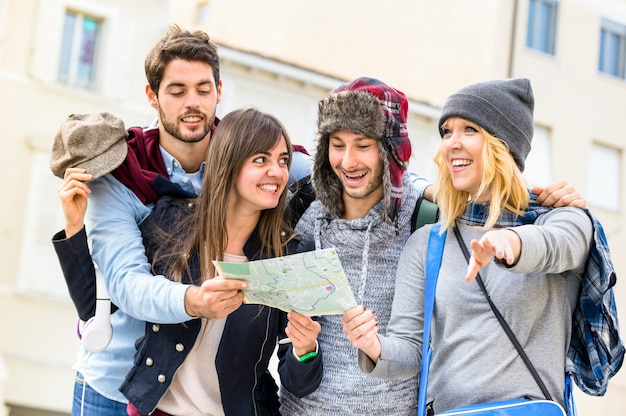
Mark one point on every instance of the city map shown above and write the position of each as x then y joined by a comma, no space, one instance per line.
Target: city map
311,283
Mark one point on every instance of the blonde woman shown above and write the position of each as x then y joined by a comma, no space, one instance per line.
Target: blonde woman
535,280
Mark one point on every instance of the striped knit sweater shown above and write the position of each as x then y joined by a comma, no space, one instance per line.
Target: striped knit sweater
369,249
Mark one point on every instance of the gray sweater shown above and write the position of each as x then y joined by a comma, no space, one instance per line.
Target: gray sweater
473,359
369,250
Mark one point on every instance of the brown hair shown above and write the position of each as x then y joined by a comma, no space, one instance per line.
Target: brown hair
180,44
240,135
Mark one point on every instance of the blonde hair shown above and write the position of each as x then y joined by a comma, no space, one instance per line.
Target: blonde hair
500,177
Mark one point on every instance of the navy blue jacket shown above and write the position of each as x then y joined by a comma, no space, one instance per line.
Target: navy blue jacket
248,341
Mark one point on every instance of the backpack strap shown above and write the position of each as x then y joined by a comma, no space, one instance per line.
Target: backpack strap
503,322
425,212
436,243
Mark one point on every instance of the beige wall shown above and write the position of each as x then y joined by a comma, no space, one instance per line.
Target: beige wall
38,344
427,49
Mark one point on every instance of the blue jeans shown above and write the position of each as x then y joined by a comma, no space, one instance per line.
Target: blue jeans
88,402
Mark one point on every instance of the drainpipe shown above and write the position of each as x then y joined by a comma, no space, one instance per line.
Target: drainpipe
512,45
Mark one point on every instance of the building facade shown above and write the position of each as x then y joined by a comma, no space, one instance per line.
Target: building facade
59,57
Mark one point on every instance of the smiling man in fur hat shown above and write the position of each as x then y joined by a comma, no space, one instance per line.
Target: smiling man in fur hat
364,205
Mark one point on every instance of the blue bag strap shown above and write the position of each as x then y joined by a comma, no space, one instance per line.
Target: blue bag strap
570,406
436,243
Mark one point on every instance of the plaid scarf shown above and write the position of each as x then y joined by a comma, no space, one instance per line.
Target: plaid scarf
596,352
476,213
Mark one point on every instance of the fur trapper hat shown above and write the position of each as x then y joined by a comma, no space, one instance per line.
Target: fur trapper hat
374,109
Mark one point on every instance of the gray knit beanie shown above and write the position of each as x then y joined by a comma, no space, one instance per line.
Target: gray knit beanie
502,107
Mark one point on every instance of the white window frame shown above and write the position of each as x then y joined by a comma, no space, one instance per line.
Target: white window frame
39,269
542,27
118,59
604,190
612,61
538,166
4,16
203,12
72,78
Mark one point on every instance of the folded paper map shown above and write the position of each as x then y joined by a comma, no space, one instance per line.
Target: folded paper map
311,283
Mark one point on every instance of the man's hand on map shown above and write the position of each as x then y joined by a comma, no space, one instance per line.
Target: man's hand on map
302,331
215,298
361,327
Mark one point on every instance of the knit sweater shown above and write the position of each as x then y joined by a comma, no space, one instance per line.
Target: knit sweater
369,249
473,360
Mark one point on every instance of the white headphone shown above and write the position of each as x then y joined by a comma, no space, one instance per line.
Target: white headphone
97,331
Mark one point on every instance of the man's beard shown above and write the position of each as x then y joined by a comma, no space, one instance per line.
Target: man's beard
173,129
369,189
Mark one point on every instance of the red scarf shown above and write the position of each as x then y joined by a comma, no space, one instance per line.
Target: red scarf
143,171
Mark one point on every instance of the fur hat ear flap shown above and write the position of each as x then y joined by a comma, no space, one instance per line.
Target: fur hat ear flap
386,180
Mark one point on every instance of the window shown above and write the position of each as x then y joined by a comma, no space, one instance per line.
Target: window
538,166
77,64
612,57
203,11
541,30
603,177
4,13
